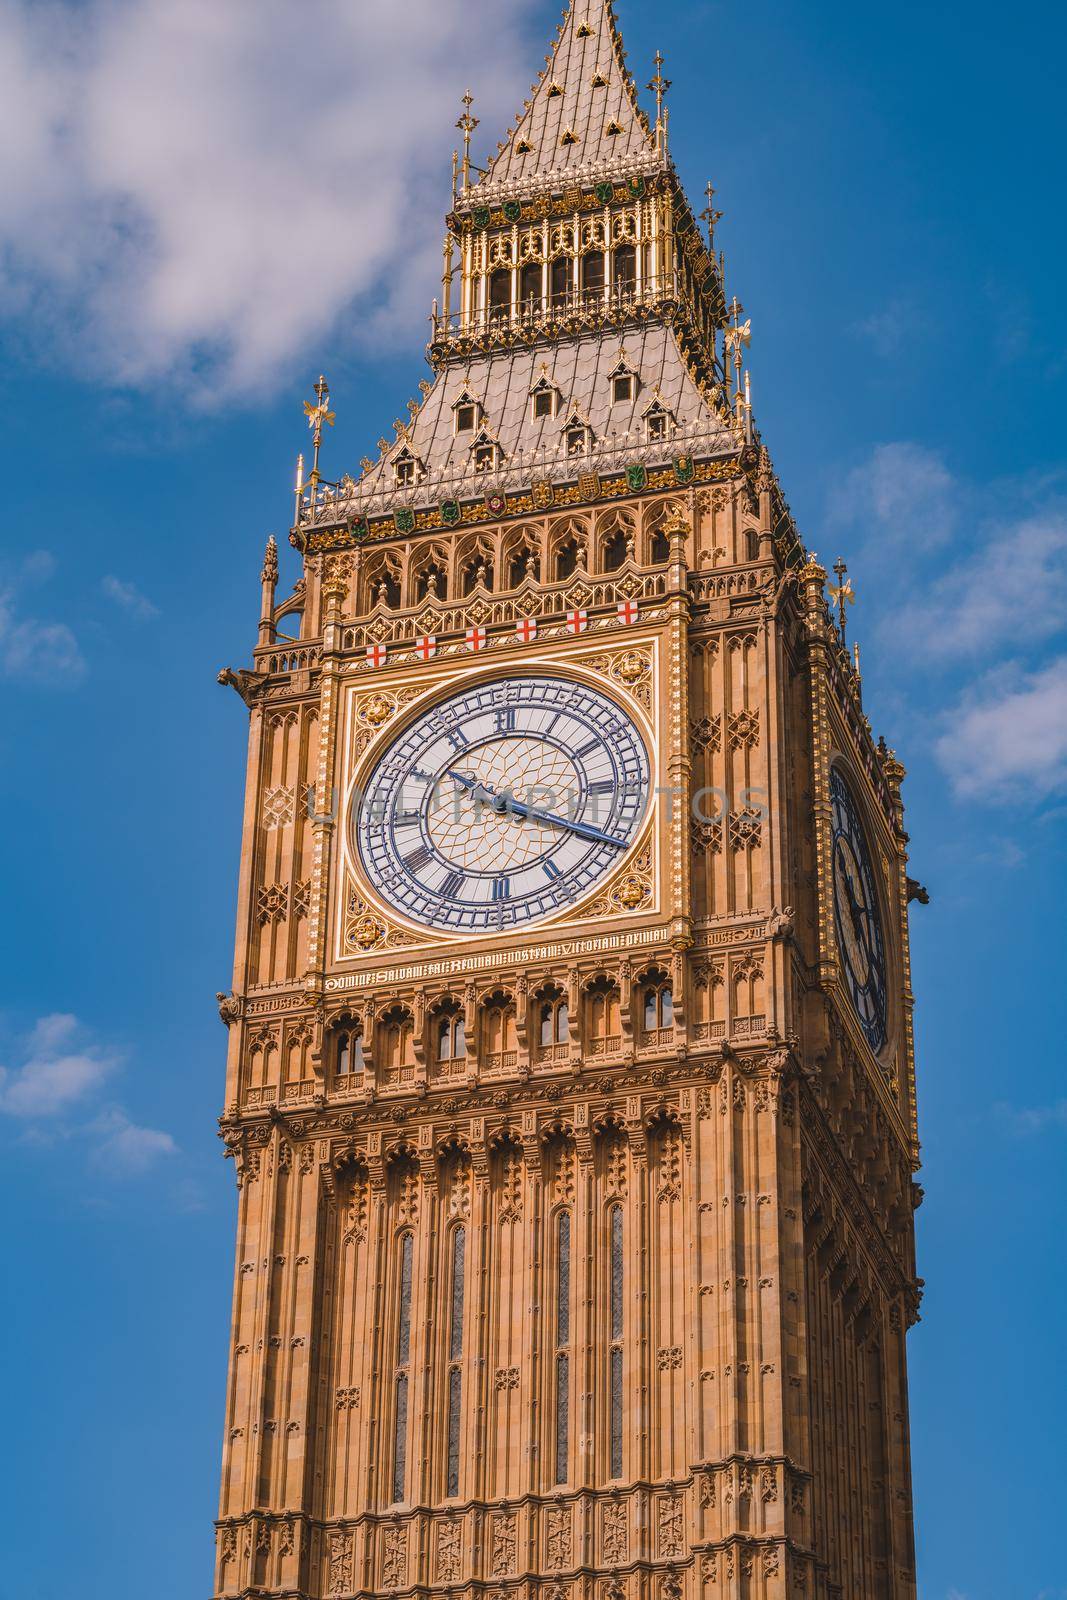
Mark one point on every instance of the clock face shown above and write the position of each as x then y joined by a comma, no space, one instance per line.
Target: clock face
859,925
503,804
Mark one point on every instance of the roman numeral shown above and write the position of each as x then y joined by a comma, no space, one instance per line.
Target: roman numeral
603,786
551,871
501,888
505,720
417,859
407,819
452,885
587,749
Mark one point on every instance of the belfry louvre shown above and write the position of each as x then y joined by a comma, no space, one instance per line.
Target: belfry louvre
570,1082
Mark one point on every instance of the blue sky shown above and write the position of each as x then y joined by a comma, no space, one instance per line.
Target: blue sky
203,207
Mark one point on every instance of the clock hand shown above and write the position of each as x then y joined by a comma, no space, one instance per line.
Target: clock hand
518,808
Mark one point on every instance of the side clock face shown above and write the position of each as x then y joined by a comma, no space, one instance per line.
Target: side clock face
502,805
859,925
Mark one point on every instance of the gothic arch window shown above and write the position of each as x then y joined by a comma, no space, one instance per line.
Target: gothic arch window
530,289
406,1245
659,547
457,1268
477,571
522,562
407,469
603,1017
466,413
486,454
569,556
616,1324
657,1006
500,294
624,269
448,1031
348,1059
659,424
553,1022
617,548
544,400
431,581
381,585
563,1341
577,436
593,273
561,280
499,1041
396,1045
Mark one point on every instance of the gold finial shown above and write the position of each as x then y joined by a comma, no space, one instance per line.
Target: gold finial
736,337
842,594
659,85
317,415
467,124
710,215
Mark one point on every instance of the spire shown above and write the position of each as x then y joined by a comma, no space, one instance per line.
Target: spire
583,110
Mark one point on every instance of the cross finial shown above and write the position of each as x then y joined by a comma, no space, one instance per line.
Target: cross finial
710,215
467,124
842,594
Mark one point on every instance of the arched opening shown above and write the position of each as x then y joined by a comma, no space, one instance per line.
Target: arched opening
593,273
624,269
561,280
500,295
530,289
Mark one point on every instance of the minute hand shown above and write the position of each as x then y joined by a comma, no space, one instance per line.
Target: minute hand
518,808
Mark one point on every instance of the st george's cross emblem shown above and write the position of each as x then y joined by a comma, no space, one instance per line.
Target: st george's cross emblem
526,630
476,638
627,612
426,647
376,655
577,621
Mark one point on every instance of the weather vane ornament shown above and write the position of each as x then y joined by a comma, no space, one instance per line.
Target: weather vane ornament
318,413
842,594
736,338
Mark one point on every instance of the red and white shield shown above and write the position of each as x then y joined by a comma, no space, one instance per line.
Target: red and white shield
426,647
627,611
376,655
577,621
526,630
476,638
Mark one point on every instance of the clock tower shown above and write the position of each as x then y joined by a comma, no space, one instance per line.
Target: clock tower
570,1087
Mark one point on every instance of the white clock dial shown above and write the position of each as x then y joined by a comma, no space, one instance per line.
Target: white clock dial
503,804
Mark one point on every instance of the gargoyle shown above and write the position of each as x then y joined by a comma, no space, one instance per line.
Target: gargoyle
917,891
229,1008
249,685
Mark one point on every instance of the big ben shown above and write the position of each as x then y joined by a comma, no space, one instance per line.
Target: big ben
570,1083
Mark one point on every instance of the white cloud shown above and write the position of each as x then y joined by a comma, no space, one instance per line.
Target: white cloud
885,329
129,597
1007,739
200,192
1033,1119
54,1074
903,498
123,1149
50,1092
32,650
1020,572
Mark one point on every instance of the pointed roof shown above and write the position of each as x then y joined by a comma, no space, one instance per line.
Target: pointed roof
583,109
